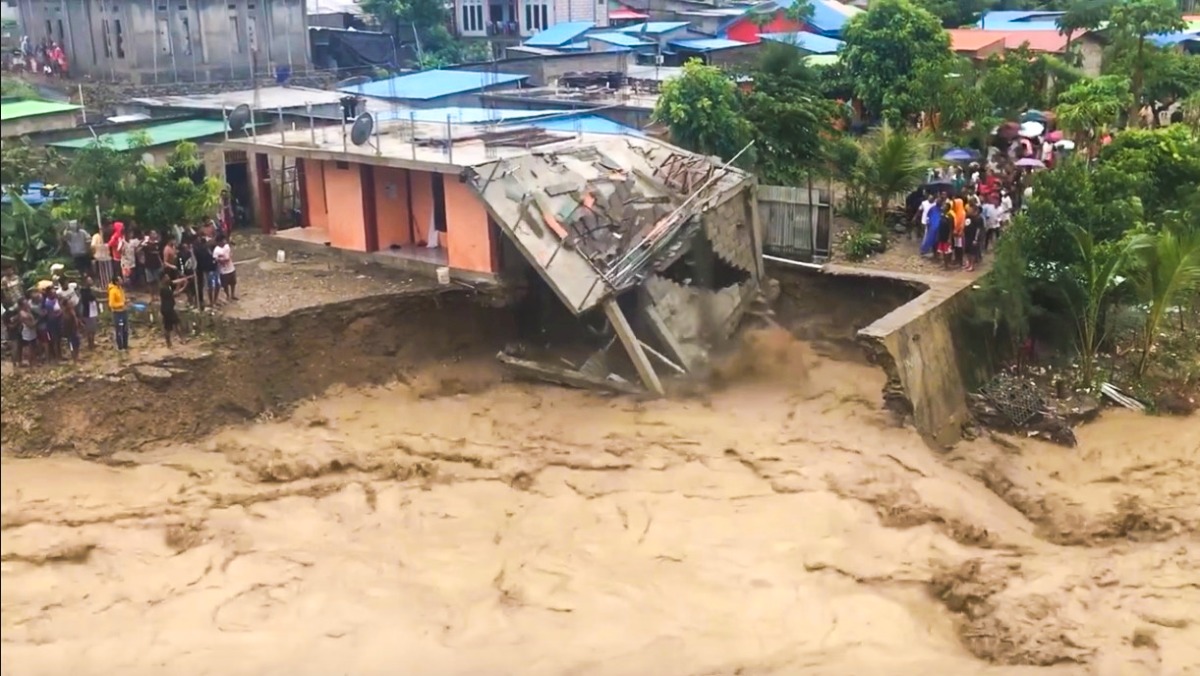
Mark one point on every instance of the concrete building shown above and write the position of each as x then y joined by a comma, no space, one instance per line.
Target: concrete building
22,117
597,218
523,18
173,40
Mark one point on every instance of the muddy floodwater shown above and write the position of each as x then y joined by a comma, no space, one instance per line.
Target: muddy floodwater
455,524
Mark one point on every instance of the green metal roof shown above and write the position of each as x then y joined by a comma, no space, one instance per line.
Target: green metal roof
160,134
15,109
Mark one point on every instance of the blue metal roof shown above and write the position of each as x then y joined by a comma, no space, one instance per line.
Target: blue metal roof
1170,39
655,27
1019,21
560,34
707,44
461,115
809,42
587,124
618,39
432,84
829,17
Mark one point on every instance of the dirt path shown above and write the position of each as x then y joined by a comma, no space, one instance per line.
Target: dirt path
782,525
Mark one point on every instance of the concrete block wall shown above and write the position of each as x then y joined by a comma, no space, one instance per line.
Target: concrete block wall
696,318
729,230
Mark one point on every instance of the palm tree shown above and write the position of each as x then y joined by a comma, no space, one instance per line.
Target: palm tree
893,162
1170,269
1094,279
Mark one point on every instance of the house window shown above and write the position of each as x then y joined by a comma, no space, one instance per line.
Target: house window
472,16
252,33
186,29
537,16
164,35
120,38
49,31
235,33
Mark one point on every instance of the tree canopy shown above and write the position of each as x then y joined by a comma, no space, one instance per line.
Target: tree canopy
888,48
702,111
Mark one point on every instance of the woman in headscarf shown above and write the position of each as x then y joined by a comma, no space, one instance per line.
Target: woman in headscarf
960,224
116,239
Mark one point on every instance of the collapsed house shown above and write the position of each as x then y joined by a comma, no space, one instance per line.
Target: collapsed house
661,242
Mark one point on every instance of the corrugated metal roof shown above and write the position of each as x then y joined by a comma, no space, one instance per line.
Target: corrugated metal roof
19,108
586,124
655,27
809,42
707,44
1171,39
1018,21
1052,42
318,7
972,39
464,115
433,84
828,16
560,34
160,134
619,39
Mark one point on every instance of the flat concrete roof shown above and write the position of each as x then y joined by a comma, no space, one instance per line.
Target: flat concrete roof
265,98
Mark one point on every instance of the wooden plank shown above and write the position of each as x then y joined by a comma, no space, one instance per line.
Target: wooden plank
633,346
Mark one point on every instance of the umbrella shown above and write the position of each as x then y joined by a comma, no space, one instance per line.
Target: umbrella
960,155
1054,136
935,186
1031,129
1031,162
1007,130
1065,145
1033,116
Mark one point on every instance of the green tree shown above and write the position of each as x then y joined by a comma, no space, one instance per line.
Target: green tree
161,196
1015,81
949,97
1088,107
1093,282
1162,164
1083,15
97,176
425,21
789,117
1169,270
701,109
892,163
22,163
1131,22
955,13
886,47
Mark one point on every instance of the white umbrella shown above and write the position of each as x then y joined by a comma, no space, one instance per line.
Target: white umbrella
1065,145
1032,129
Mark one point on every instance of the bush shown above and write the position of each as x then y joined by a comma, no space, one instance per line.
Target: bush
861,243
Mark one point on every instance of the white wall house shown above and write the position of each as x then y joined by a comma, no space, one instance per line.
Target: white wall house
523,18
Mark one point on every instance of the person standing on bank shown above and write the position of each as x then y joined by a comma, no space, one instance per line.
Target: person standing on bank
80,247
223,253
170,318
116,304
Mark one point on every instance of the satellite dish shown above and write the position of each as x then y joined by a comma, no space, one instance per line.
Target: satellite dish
361,130
239,118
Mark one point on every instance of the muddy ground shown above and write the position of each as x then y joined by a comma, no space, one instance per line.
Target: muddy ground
433,517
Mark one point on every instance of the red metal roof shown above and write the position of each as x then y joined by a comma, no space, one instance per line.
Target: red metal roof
973,40
1038,41
623,14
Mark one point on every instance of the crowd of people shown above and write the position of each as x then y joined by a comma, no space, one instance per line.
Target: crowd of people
53,319
45,58
965,207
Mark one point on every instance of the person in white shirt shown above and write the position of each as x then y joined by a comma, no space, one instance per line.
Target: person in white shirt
991,222
223,254
1006,209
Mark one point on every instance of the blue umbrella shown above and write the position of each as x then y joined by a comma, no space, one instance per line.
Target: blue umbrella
960,155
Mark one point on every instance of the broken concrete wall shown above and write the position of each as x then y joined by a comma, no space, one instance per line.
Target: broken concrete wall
687,320
731,229
916,345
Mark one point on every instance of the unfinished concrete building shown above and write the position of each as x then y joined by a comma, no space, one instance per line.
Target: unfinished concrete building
661,243
147,41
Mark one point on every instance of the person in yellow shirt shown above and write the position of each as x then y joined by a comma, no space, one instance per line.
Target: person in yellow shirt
120,313
960,224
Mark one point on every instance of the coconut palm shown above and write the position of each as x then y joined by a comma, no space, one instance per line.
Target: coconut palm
1095,277
893,163
1169,270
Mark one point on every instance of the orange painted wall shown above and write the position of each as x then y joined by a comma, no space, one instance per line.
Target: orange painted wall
343,194
314,186
469,239
422,199
391,207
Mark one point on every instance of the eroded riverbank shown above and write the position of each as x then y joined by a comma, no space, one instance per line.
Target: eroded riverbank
780,525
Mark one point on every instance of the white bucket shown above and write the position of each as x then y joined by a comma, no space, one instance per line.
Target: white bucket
443,275
280,256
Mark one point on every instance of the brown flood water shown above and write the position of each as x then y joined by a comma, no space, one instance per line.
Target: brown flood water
781,525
